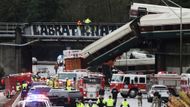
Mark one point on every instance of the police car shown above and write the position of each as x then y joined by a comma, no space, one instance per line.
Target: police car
35,101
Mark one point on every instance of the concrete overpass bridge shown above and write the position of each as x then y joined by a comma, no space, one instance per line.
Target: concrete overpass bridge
157,33
45,41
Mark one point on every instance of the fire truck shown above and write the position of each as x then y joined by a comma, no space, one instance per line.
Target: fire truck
185,82
170,79
129,84
12,79
90,85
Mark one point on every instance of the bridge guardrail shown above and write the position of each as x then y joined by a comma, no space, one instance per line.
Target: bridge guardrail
8,29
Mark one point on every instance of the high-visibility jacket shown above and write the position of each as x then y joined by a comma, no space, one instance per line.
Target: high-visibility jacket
98,101
50,83
24,86
56,84
68,83
110,102
87,21
125,104
18,88
88,105
80,105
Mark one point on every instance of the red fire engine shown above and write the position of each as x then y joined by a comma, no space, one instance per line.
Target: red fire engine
90,85
12,79
185,82
129,84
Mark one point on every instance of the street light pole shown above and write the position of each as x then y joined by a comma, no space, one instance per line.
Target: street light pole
181,32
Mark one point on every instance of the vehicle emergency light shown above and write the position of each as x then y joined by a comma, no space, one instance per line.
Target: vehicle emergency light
36,96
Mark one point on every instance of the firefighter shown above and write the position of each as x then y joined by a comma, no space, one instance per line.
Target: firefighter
101,102
87,22
139,98
47,80
50,83
18,86
24,89
24,85
114,94
79,104
56,83
68,82
101,91
125,103
155,101
110,102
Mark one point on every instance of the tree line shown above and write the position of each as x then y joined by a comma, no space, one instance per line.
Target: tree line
70,10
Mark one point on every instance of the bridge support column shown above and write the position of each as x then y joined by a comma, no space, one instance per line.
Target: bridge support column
23,56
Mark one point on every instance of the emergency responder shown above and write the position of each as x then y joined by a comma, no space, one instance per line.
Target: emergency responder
18,86
24,89
56,83
87,22
47,80
110,102
101,102
79,23
79,104
50,83
101,91
125,103
139,98
159,100
68,82
114,94
155,100
24,85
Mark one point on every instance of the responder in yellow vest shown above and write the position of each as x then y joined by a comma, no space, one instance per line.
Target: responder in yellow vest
110,102
68,82
47,81
124,103
87,22
101,102
50,83
79,104
18,86
56,83
24,85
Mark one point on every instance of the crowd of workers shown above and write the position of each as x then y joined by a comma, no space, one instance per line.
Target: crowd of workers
102,102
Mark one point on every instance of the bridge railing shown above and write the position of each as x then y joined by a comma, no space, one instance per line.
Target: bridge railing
58,29
8,29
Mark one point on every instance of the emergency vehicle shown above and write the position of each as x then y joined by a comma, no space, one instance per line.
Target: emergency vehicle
71,76
129,84
185,82
170,79
90,85
12,79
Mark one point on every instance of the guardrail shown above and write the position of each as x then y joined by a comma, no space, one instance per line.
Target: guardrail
8,29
